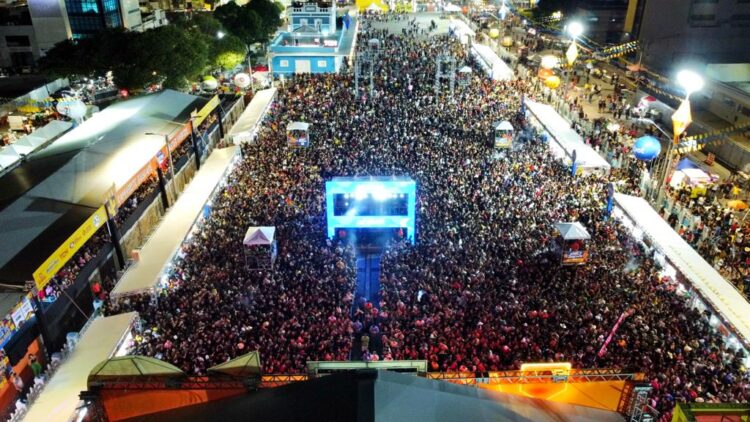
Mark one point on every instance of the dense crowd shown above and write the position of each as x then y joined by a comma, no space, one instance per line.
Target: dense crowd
482,289
717,231
67,275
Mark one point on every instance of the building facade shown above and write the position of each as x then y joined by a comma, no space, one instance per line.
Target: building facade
688,32
312,17
18,45
604,20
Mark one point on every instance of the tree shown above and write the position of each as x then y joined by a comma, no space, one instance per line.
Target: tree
242,22
67,59
269,14
174,53
228,52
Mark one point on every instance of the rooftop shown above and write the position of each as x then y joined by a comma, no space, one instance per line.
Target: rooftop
56,189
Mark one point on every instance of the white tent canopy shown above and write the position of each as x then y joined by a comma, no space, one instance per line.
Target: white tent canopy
247,125
573,231
259,236
297,126
723,296
59,399
565,139
504,125
465,69
492,63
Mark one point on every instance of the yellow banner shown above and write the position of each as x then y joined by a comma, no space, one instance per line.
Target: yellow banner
57,260
206,110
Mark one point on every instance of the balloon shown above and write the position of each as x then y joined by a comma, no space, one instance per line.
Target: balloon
552,82
242,80
209,82
507,41
494,33
646,148
71,107
545,73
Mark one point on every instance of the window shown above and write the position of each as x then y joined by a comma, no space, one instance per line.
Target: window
283,63
703,20
17,41
741,20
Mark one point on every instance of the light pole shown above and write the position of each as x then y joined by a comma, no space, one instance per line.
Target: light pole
574,29
681,119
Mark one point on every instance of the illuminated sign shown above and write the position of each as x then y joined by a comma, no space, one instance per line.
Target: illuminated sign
362,196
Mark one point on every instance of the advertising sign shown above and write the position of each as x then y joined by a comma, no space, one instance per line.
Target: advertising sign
64,252
574,252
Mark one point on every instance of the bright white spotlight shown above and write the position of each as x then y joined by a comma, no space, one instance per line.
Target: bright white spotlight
690,81
220,34
549,62
575,29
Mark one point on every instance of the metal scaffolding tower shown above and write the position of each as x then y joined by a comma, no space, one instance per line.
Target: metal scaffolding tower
364,62
445,67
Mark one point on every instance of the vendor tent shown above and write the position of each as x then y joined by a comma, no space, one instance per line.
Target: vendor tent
8,156
690,176
259,236
504,125
572,231
21,148
297,126
241,366
132,366
686,163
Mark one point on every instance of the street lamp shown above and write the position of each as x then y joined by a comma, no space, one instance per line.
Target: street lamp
681,119
220,34
690,81
575,29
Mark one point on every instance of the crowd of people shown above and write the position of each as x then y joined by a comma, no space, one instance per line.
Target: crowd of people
482,289
67,275
716,230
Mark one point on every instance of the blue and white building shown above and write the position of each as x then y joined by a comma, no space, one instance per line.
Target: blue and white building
312,43
312,17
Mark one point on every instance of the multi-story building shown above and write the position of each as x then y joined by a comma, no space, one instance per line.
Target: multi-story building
678,32
27,31
313,17
18,46
604,20
58,20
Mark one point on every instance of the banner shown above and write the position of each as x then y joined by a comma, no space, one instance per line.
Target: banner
572,54
681,119
177,139
64,252
22,312
575,252
624,315
135,182
201,115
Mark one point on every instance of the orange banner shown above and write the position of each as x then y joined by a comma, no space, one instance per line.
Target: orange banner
135,182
